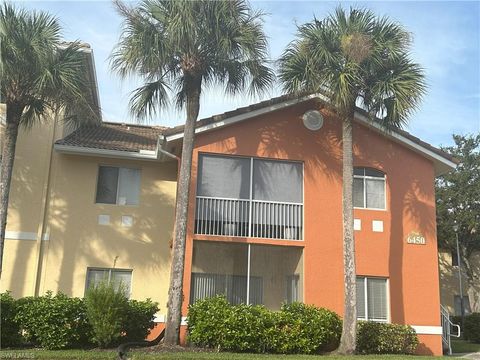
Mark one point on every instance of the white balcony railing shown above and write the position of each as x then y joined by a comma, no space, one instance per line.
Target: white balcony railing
249,218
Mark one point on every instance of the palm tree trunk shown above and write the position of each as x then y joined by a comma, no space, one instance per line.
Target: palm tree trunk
175,293
14,113
349,331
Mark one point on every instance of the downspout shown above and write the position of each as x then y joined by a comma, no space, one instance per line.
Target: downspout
160,144
41,233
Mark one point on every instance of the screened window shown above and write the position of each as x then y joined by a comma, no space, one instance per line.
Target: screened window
368,188
116,185
119,277
458,305
268,275
240,196
372,301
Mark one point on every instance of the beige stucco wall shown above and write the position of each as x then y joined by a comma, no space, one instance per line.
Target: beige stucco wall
26,206
449,282
75,239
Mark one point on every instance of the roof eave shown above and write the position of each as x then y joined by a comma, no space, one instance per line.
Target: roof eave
86,151
441,164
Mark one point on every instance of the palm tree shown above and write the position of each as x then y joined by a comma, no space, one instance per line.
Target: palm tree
40,75
354,58
181,47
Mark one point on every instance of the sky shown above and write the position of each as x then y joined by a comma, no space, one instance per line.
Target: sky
446,44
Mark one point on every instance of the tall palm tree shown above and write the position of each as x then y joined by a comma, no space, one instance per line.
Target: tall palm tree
181,47
354,58
40,75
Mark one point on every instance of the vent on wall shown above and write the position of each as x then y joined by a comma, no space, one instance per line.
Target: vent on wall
313,120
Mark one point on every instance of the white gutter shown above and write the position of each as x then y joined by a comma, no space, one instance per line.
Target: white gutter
141,155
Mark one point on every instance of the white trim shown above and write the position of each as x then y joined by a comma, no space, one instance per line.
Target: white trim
67,149
427,330
358,116
162,318
24,235
245,116
159,318
409,143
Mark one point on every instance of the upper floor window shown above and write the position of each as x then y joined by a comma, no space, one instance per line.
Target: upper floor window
372,303
242,196
118,277
117,185
368,189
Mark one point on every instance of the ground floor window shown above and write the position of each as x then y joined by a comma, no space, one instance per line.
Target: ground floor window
247,273
119,277
372,299
458,305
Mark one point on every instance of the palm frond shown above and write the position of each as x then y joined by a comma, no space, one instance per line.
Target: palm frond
352,56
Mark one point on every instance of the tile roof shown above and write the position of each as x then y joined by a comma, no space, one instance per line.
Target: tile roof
133,138
115,136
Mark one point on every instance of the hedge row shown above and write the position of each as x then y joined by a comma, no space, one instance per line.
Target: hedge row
296,328
471,328
471,331
58,321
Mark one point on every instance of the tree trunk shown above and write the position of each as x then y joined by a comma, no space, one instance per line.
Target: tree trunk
175,293
14,113
349,331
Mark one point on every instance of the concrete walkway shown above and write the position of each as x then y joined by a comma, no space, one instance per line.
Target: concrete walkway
471,356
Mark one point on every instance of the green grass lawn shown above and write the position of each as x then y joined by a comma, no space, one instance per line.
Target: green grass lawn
462,346
138,355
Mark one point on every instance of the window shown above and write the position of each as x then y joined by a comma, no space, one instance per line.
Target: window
117,185
368,189
458,305
454,258
240,196
372,299
117,276
263,274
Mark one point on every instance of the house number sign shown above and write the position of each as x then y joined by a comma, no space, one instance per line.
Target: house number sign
416,239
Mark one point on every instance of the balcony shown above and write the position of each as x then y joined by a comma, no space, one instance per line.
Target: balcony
248,218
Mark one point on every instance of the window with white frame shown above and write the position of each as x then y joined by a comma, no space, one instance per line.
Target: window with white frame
368,189
458,305
372,299
118,185
120,278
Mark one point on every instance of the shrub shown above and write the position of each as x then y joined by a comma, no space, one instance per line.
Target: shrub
9,327
53,322
471,329
296,328
382,338
305,329
106,307
207,321
139,319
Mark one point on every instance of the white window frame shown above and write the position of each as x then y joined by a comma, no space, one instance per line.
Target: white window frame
110,270
365,291
118,185
364,178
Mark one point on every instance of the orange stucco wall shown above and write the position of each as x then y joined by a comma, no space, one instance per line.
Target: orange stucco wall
412,270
